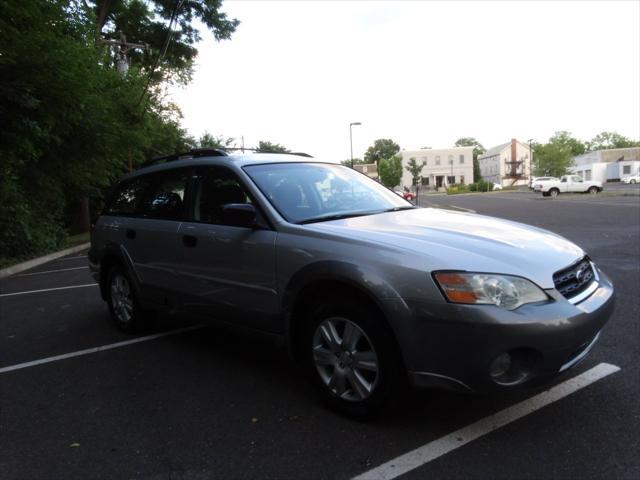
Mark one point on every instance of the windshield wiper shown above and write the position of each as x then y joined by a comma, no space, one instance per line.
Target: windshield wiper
337,216
397,209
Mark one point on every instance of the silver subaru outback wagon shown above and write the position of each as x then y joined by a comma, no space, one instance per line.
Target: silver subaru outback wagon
368,290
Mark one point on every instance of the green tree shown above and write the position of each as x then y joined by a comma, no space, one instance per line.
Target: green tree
415,169
606,140
381,148
207,140
478,150
390,171
552,159
69,123
356,161
269,147
577,147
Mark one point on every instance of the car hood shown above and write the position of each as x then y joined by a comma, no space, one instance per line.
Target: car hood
447,240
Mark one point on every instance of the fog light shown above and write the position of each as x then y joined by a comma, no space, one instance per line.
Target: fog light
500,366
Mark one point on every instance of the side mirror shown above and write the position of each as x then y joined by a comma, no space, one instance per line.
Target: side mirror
239,215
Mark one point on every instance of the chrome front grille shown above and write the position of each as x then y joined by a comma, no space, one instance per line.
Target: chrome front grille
575,279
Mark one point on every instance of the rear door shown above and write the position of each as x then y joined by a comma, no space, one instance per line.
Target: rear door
227,271
151,236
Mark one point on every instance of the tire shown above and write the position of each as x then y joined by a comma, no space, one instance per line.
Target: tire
124,308
632,182
554,192
593,190
351,356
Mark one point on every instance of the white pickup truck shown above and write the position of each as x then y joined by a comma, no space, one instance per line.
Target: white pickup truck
567,184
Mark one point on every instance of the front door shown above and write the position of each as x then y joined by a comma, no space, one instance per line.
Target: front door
227,271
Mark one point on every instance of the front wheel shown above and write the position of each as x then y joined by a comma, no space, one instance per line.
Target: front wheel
554,192
593,190
632,182
351,357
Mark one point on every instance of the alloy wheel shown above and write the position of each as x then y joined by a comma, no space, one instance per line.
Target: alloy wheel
345,359
121,298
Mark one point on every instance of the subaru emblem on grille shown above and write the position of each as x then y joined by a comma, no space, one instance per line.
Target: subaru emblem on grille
579,274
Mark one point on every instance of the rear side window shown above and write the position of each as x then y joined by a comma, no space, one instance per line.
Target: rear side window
159,195
127,197
165,198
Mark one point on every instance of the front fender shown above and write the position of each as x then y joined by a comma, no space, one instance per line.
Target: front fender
356,277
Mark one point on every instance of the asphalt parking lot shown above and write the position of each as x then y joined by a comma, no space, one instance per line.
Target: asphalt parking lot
214,402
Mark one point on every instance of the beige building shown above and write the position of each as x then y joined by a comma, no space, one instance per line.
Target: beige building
441,167
508,164
607,165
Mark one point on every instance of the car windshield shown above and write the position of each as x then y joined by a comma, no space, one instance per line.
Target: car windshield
316,192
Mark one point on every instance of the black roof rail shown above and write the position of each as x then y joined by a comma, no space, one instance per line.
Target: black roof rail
193,153
210,152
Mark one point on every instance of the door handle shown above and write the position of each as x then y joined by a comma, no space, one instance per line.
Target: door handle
189,240
130,233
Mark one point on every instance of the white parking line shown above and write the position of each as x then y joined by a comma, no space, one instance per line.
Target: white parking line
49,271
71,258
422,455
48,290
87,351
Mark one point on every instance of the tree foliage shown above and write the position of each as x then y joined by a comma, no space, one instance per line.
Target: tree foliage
390,171
356,161
553,158
69,123
147,21
606,140
381,149
415,169
208,140
269,147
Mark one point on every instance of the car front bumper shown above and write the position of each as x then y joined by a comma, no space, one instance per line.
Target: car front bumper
454,346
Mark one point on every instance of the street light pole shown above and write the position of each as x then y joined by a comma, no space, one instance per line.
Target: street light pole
351,138
530,160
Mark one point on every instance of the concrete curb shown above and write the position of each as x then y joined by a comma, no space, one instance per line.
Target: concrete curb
21,267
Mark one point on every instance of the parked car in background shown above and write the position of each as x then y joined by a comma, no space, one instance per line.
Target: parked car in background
631,178
568,184
368,291
497,186
535,180
406,195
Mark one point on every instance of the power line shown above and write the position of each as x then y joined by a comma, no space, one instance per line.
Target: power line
162,53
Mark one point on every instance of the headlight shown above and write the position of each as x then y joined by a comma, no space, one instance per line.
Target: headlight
504,291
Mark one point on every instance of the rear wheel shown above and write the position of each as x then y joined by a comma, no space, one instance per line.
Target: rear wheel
632,182
554,192
351,356
593,190
123,304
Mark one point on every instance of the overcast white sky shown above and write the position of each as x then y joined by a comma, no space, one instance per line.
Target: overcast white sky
422,73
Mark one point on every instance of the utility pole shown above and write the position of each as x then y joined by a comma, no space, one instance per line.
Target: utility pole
124,47
122,62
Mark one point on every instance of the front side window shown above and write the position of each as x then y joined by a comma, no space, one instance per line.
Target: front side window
314,192
217,187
